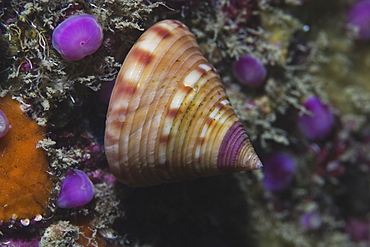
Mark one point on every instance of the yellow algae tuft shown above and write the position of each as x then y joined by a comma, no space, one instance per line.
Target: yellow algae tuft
25,184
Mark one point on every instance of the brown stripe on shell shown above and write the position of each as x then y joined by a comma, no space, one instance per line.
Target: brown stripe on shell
223,117
164,50
162,32
194,80
126,88
201,69
142,56
147,52
172,112
189,51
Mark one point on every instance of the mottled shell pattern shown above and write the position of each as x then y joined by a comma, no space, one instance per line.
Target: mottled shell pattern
169,117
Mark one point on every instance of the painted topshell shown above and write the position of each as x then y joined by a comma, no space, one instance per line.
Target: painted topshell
169,117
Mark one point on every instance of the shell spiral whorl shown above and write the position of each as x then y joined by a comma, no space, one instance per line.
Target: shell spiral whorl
169,117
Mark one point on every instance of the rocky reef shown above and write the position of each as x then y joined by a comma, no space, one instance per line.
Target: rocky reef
305,106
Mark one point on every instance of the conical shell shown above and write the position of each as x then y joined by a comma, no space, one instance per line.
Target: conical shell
169,117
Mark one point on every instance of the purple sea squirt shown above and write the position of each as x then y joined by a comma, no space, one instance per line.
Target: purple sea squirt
358,230
279,170
77,37
249,70
319,123
76,190
311,220
358,20
4,124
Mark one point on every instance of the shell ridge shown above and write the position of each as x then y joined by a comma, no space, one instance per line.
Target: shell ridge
156,37
179,92
125,77
125,137
148,103
126,87
111,139
164,139
227,158
185,97
199,149
196,119
161,43
175,67
169,126
224,116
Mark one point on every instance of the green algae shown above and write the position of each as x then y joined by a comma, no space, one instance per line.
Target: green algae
38,74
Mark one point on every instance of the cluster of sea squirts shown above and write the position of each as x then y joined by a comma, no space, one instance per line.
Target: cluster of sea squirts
275,62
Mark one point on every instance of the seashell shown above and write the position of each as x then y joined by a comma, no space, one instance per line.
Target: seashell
169,117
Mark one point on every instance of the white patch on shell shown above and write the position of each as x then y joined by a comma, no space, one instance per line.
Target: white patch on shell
214,112
197,152
203,133
207,67
193,77
149,47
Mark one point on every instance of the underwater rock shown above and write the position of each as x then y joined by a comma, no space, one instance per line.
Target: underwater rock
24,179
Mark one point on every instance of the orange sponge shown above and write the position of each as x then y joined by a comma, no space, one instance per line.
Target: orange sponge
25,186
